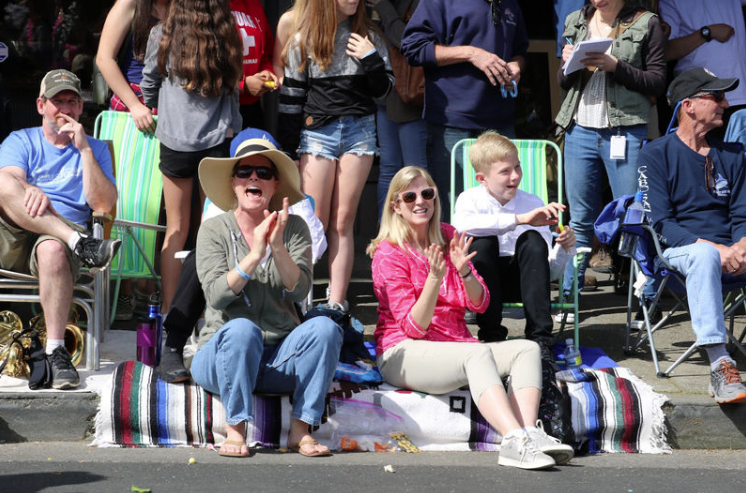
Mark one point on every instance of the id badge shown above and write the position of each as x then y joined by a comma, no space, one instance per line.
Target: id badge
618,147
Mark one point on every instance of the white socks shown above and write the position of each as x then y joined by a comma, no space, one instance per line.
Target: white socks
53,344
72,242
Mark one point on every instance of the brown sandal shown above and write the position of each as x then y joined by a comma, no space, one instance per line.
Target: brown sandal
233,454
309,441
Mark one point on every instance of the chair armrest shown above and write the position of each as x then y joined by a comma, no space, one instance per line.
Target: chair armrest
102,217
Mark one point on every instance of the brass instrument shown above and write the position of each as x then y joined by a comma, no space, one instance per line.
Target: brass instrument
10,325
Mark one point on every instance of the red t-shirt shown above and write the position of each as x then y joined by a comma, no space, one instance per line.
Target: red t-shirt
257,39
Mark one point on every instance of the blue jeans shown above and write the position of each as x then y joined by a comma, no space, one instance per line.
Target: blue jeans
235,362
400,144
700,263
440,142
586,159
343,135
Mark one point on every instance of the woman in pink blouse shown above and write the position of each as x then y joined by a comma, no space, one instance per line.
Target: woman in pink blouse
424,280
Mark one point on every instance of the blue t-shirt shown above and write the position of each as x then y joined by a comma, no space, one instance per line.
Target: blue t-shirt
57,172
676,197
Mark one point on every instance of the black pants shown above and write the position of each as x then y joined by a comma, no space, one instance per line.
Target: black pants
186,307
523,277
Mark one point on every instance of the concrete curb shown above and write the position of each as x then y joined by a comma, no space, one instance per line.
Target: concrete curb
694,422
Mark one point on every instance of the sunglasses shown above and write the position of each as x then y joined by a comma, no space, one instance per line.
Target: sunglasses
409,197
717,96
710,176
262,172
497,15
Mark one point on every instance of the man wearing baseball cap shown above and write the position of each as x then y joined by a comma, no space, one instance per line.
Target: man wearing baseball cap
51,178
695,198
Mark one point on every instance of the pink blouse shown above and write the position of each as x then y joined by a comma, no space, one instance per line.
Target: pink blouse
398,279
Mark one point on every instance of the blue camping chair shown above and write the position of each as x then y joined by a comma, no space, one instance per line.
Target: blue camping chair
648,261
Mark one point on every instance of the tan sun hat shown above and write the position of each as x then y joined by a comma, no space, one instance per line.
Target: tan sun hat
215,173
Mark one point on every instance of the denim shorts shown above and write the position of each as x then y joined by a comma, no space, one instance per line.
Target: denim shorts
345,135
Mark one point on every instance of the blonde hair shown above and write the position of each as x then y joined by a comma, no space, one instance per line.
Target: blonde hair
316,29
393,228
490,148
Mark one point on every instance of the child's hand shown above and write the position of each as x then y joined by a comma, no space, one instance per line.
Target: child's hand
541,216
566,238
358,46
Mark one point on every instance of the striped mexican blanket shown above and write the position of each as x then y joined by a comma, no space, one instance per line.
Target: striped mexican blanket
138,410
614,411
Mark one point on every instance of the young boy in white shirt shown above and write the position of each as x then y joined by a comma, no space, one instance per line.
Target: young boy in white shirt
513,240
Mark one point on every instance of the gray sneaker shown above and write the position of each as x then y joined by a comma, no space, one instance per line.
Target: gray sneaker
96,254
522,452
561,453
64,374
725,383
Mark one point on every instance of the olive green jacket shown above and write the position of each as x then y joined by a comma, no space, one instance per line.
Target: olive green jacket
640,75
264,299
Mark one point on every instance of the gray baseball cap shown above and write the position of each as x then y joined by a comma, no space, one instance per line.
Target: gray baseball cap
57,81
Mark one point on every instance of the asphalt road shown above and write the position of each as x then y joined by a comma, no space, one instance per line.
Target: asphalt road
74,467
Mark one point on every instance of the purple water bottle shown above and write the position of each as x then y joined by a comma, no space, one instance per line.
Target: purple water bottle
147,338
154,314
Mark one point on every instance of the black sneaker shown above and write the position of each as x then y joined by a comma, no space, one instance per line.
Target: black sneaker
172,369
96,254
64,374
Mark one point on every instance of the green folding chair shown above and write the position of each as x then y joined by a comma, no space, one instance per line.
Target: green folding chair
532,155
140,187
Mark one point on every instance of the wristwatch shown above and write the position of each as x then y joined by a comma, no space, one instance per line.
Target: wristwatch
706,33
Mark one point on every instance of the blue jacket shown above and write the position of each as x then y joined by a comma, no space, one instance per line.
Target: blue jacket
460,95
677,203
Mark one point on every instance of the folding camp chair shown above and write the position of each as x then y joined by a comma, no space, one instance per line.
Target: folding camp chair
532,155
650,262
89,293
140,186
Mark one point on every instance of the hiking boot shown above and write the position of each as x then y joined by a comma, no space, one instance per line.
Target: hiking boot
725,383
96,254
64,374
639,322
561,453
125,308
521,452
172,369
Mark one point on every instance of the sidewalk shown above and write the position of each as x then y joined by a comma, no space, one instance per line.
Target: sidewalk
695,421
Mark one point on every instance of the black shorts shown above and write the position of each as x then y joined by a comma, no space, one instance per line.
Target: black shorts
184,164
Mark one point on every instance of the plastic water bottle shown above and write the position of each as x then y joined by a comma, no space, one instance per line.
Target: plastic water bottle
628,239
572,355
154,313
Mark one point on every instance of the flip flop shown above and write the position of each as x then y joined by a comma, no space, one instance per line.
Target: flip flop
233,454
309,441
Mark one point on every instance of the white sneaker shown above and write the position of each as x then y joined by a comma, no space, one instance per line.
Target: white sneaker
521,452
561,453
570,317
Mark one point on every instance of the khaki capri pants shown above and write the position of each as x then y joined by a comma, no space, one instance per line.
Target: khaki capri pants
441,367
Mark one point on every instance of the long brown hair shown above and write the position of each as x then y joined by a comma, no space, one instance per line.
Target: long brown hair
201,45
318,28
141,26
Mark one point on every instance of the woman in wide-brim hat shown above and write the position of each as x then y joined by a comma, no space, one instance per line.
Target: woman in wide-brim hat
254,263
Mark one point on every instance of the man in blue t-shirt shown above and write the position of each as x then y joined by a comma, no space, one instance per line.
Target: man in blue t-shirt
51,177
472,52
695,198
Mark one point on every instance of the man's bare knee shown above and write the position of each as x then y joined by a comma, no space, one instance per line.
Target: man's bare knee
51,257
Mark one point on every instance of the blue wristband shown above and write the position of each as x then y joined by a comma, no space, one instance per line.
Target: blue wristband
242,273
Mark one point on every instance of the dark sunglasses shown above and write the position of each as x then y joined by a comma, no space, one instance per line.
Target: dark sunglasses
497,15
710,176
409,197
717,96
262,172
